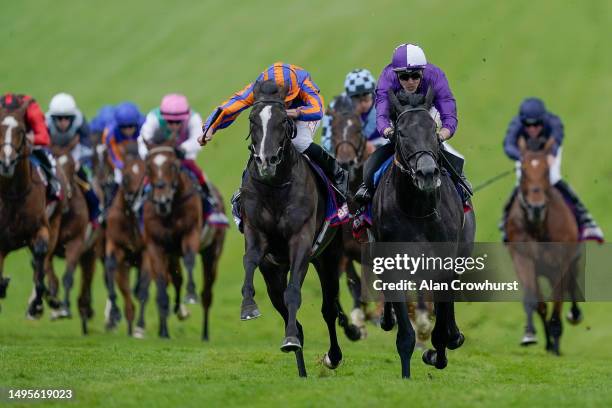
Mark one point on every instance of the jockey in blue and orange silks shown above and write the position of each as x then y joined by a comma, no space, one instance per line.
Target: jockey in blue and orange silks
125,128
304,105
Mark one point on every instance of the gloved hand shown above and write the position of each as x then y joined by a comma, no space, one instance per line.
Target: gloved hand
444,134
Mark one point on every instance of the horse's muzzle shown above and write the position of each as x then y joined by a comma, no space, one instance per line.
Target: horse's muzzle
7,170
163,205
427,174
266,170
536,212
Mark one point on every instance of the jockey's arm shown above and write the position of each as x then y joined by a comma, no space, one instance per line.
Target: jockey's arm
150,125
511,140
38,125
224,115
312,110
445,104
191,146
385,84
557,132
326,133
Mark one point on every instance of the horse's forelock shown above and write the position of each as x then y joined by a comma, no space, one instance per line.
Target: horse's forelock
343,104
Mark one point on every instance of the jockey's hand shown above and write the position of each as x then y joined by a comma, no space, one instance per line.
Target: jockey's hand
444,134
293,113
550,159
388,132
206,137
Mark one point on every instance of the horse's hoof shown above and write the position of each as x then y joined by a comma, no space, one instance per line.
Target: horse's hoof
191,299
4,282
34,312
430,357
328,363
182,313
387,324
164,335
61,313
456,342
139,333
529,339
291,343
420,345
574,317
249,312
352,332
54,303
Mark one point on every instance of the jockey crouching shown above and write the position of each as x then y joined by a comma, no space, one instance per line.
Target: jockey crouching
66,122
121,131
536,125
174,115
39,135
410,73
304,105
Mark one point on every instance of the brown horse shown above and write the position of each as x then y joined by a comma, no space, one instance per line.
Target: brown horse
23,211
72,244
124,243
539,214
351,151
174,227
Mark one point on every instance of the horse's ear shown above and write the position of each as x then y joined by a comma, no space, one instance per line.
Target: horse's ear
550,143
257,90
522,145
394,101
429,98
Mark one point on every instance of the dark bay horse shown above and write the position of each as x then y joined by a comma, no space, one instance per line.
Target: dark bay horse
415,202
23,211
71,242
351,151
124,245
540,214
283,208
174,227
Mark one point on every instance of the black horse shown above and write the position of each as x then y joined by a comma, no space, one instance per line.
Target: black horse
416,203
283,209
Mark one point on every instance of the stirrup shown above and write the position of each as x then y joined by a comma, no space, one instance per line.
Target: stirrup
363,195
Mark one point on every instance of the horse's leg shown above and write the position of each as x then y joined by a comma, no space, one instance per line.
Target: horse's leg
39,248
455,337
254,251
189,261
299,251
72,253
276,284
177,281
123,281
158,262
4,281
387,320
354,284
439,337
525,270
405,339
210,265
88,267
115,257
143,297
555,324
574,316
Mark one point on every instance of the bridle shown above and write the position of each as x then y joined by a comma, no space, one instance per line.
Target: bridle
358,149
398,157
18,148
289,134
162,184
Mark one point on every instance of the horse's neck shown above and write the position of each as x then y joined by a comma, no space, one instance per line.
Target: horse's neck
20,180
413,201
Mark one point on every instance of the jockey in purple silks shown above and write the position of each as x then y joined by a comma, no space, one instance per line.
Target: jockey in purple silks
536,125
410,71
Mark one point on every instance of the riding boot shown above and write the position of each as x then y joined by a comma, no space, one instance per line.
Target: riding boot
47,164
209,198
589,230
366,190
91,198
506,210
330,166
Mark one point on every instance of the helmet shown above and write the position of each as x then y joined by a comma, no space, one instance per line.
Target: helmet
532,111
175,107
359,81
63,104
127,114
105,116
407,57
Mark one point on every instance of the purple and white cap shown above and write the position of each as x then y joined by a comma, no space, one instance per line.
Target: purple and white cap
407,57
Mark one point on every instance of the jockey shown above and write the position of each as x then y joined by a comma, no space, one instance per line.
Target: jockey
100,123
175,115
66,122
39,135
536,125
410,71
359,85
304,105
124,128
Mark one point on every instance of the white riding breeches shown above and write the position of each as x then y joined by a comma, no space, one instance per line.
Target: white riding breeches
304,134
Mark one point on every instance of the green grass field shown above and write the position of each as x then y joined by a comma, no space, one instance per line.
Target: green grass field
494,54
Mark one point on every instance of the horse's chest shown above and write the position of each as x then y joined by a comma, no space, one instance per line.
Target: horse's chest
16,228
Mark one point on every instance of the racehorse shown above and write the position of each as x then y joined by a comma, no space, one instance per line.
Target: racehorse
71,243
415,202
174,227
351,151
540,214
23,212
123,246
283,208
